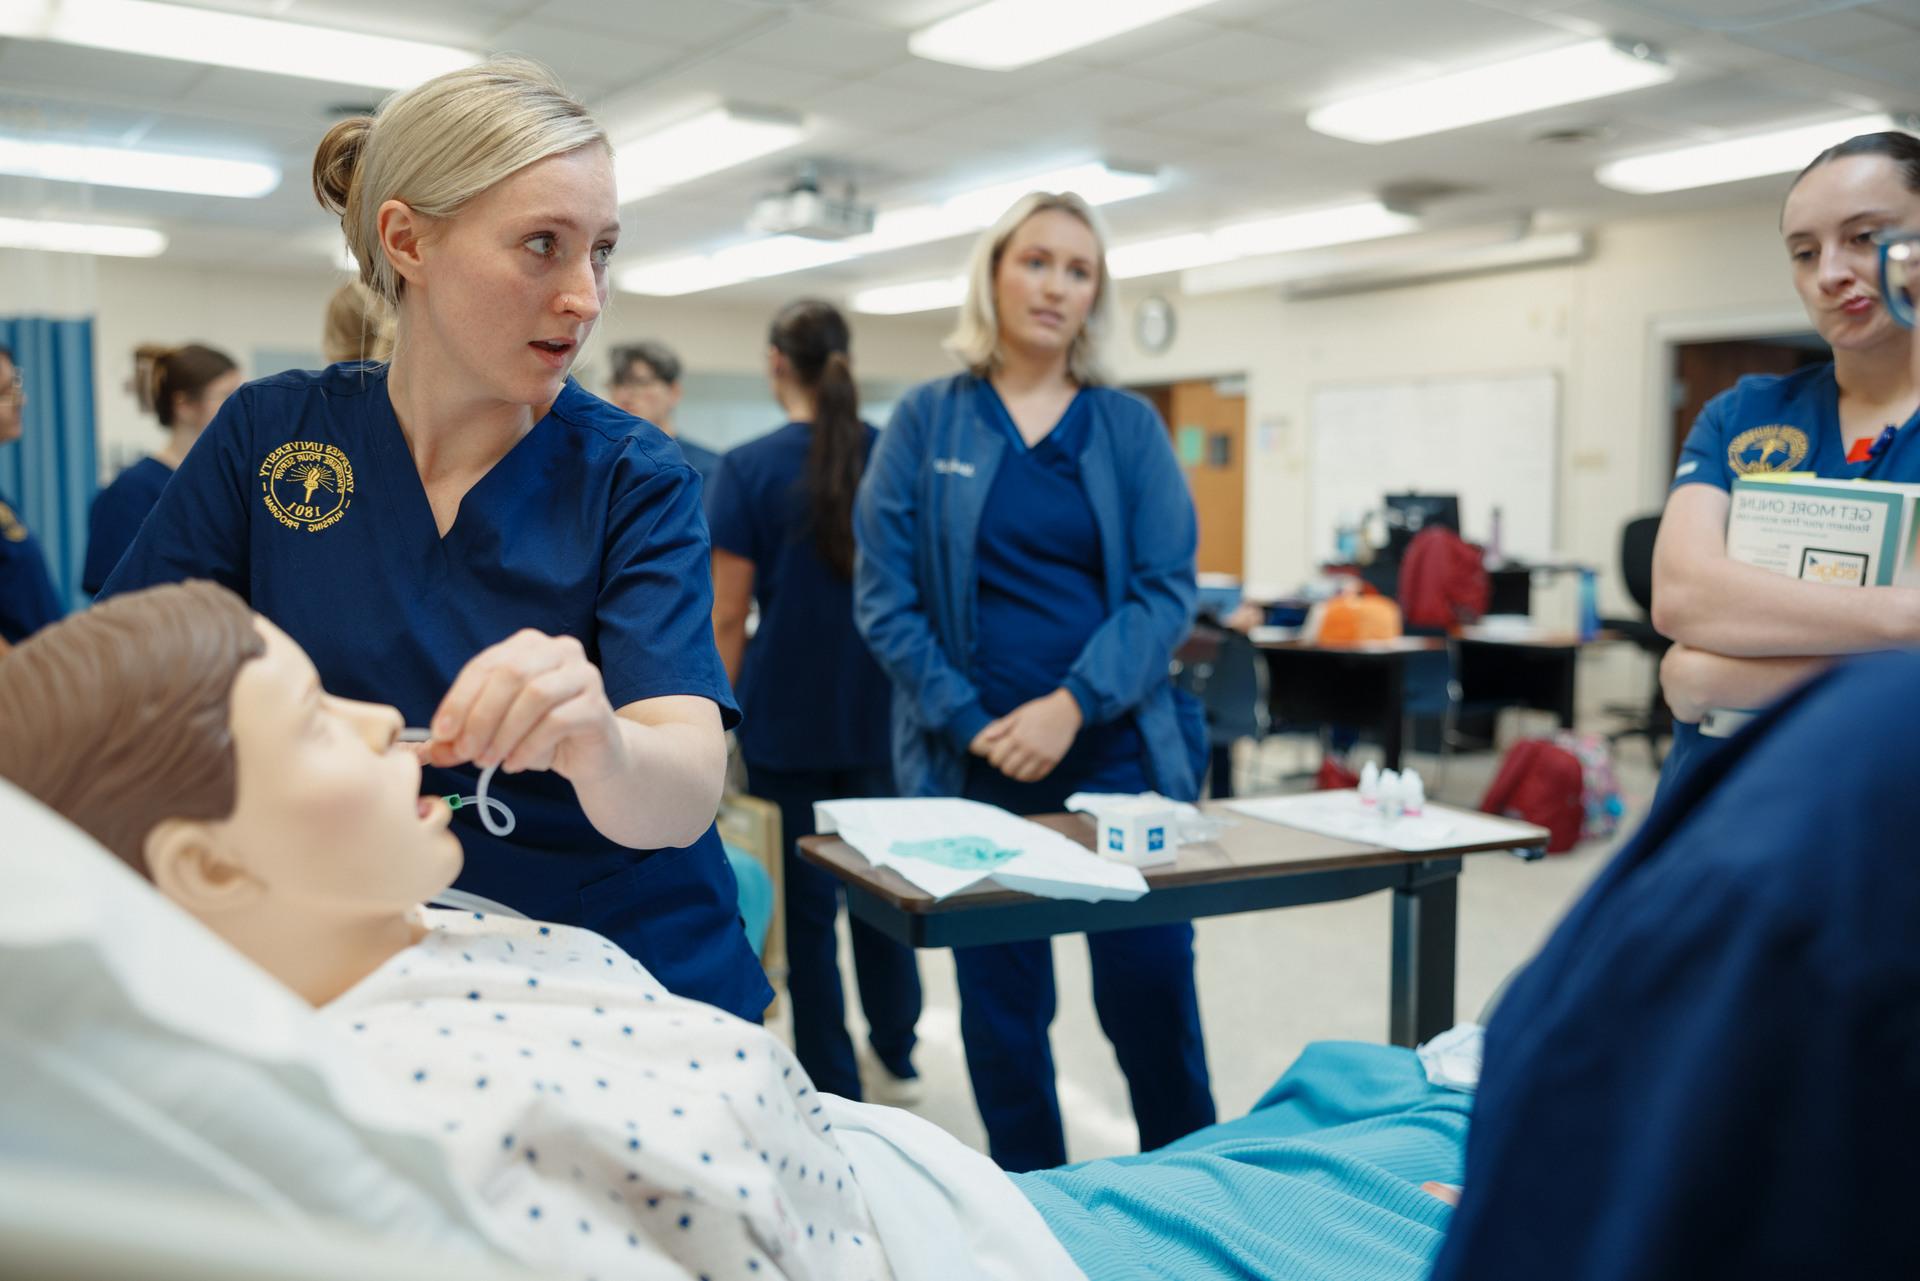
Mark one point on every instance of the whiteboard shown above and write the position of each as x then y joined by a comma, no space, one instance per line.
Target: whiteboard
1494,441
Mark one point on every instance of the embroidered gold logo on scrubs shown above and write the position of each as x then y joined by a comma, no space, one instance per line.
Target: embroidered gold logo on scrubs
1767,449
306,485
10,527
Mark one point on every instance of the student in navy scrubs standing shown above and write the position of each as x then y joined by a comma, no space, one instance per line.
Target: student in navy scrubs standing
1744,635
187,386
466,534
1026,570
815,702
28,601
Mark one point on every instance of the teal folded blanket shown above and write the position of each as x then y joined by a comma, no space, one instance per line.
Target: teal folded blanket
1320,1181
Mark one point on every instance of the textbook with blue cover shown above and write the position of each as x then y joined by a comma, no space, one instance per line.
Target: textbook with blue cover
1850,533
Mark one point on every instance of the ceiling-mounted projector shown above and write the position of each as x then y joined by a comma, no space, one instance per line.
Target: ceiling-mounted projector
804,210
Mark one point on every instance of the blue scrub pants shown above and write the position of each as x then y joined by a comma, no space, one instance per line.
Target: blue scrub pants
1143,994
888,976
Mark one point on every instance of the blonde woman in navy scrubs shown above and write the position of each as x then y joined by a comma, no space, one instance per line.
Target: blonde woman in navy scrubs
1744,635
1026,570
466,534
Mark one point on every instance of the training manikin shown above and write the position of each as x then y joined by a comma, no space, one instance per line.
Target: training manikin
599,1118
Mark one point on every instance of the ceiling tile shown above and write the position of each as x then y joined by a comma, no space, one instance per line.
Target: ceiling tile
1106,96
682,23
1228,61
901,15
456,22
869,106
589,63
1442,36
825,45
32,64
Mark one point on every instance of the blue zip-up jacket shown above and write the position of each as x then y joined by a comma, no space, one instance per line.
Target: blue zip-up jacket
917,523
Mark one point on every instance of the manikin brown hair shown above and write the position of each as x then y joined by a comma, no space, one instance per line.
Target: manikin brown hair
119,718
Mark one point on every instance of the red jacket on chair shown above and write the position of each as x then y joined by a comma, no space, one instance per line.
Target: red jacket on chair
1442,582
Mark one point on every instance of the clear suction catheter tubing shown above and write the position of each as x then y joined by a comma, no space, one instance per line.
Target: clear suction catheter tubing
502,826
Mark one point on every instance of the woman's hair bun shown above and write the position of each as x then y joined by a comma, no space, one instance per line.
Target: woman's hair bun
336,162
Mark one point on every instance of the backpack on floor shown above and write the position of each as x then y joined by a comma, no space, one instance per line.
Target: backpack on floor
1600,789
1543,784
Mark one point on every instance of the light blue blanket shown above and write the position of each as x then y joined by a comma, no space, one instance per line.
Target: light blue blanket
1320,1181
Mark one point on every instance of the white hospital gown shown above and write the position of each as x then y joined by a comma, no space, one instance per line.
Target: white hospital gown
603,1121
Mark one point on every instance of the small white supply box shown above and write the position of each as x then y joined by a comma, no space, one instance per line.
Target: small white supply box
1143,830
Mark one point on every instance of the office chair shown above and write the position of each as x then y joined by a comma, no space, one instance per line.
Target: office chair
1224,670
1653,721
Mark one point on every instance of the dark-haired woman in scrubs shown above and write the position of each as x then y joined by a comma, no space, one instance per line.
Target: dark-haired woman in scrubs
28,601
1745,635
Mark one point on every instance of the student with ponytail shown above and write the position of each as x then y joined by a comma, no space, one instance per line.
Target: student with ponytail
815,703
186,387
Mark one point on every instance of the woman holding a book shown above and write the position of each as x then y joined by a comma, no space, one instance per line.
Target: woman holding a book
1744,635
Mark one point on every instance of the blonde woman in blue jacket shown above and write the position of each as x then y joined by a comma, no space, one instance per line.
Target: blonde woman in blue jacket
1025,572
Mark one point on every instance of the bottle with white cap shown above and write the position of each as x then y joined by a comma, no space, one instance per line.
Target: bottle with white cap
1413,794
1389,794
1369,785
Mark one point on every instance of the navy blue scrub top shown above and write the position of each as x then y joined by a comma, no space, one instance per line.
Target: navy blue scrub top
1710,1069
27,599
700,458
811,694
303,498
1041,589
1776,423
117,512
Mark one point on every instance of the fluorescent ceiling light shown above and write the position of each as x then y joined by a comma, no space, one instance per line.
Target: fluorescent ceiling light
968,212
1004,34
918,295
1575,73
751,260
81,238
1366,220
1169,253
232,40
1533,251
961,215
1757,156
130,167
707,143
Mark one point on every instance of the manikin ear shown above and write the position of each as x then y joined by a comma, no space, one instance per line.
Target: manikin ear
401,232
191,865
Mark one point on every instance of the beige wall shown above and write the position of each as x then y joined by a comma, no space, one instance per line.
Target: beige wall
1598,324
152,300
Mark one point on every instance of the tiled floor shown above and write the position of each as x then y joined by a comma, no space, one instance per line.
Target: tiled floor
1270,982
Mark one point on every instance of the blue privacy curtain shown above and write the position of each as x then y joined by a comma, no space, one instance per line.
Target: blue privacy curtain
51,474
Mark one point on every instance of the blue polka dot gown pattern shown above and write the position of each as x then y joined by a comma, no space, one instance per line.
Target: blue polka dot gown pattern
602,1120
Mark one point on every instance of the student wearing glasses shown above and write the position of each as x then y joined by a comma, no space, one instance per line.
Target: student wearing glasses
27,599
1745,635
646,383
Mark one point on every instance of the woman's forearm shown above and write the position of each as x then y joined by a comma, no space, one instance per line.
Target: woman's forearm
1695,680
666,787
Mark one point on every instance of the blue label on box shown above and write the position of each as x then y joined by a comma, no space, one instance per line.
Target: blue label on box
1116,838
1156,838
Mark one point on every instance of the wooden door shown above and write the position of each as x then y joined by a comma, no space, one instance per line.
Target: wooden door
1209,438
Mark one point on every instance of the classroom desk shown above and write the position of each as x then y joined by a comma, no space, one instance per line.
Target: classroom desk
1365,685
1361,685
1255,865
1537,672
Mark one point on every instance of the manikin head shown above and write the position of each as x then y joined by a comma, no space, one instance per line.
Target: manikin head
192,739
